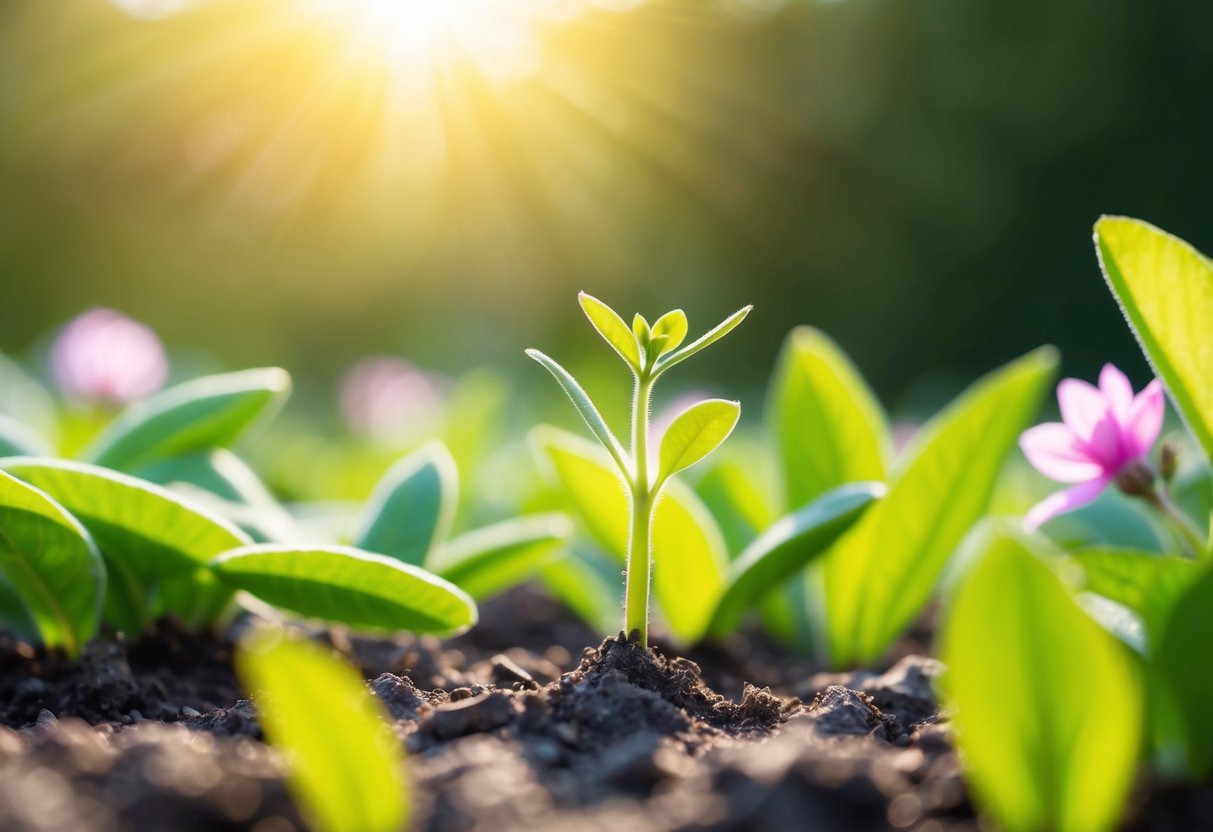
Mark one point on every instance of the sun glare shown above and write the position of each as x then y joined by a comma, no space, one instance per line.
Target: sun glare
414,37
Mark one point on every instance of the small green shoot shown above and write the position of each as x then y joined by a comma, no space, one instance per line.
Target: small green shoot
648,351
346,767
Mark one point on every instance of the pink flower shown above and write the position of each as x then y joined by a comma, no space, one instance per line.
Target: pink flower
389,399
102,356
1105,430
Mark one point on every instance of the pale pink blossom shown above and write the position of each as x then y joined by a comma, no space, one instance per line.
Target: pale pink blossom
104,357
389,399
1104,430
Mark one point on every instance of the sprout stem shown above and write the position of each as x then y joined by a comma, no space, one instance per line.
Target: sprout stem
639,565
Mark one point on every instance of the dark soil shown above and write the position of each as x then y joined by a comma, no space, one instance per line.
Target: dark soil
514,726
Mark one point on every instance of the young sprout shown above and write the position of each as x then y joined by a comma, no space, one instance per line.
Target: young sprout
649,350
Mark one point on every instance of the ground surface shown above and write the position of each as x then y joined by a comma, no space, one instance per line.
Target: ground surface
515,726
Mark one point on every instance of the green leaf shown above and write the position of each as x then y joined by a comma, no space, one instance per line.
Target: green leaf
1048,706
346,585
1165,289
205,413
695,433
612,329
145,533
51,563
672,326
735,491
346,765
787,547
495,558
688,549
412,507
881,575
640,328
584,590
829,426
25,400
585,407
1147,583
18,440
707,339
1185,673
221,481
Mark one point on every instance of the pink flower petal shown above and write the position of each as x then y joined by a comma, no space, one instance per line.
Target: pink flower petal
1145,418
1082,406
1117,391
1055,452
1063,501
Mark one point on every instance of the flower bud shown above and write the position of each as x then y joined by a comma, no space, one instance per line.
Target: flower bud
1136,479
1168,461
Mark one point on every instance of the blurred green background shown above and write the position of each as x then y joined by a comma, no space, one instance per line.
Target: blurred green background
917,177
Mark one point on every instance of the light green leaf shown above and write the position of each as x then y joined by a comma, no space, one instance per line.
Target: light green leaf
1048,706
1165,289
640,328
495,558
412,507
1147,583
50,561
205,413
612,329
787,547
882,573
707,339
695,433
583,589
346,765
829,426
673,326
736,492
585,407
24,400
1185,673
18,440
346,585
688,549
145,533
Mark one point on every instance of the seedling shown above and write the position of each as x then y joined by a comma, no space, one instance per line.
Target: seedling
649,351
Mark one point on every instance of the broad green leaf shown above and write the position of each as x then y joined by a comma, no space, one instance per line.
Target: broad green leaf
18,440
412,507
346,585
495,558
787,547
585,591
585,407
688,549
1165,289
1048,706
707,339
1147,583
612,329
829,426
14,616
882,573
145,533
672,326
346,765
695,433
736,494
223,482
1185,673
51,563
210,412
